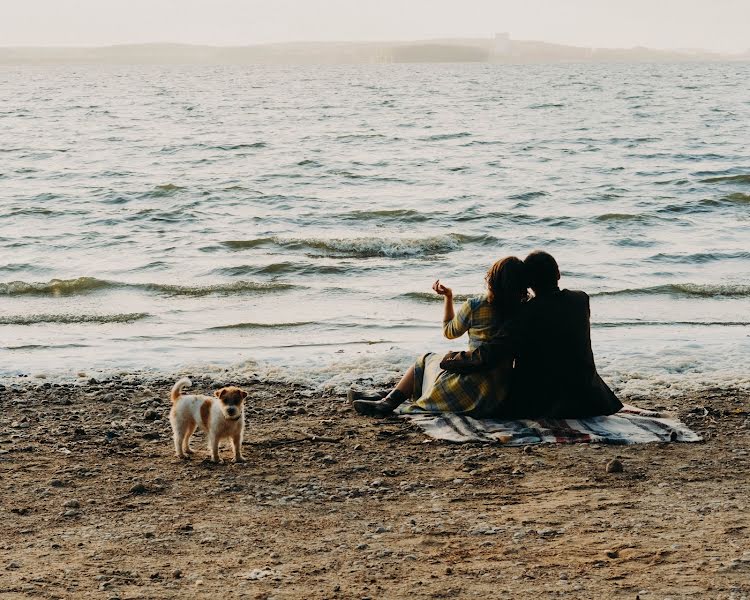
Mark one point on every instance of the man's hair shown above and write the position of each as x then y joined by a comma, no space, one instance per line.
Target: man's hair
542,271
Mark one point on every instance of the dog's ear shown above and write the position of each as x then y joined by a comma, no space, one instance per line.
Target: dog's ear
243,394
220,393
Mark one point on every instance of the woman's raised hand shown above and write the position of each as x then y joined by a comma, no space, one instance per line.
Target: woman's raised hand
441,290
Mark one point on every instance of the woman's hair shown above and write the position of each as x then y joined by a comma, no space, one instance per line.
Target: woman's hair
507,286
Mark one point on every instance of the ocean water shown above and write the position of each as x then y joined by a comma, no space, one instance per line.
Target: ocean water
290,221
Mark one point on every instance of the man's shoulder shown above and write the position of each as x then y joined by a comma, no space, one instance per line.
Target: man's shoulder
576,294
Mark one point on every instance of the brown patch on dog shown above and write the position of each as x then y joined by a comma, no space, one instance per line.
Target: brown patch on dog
205,413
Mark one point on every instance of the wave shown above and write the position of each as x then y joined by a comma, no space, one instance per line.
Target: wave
399,214
71,319
685,289
262,325
55,287
738,197
620,217
13,267
432,296
166,190
607,325
282,268
745,178
252,146
699,257
363,247
529,195
439,137
246,244
83,285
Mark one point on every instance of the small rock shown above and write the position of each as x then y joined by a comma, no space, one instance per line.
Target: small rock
12,566
139,488
73,503
177,574
613,554
614,466
528,450
150,415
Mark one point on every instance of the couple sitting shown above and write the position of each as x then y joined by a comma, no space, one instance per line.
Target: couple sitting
527,357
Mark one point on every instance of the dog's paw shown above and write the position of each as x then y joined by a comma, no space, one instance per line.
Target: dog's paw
189,451
240,459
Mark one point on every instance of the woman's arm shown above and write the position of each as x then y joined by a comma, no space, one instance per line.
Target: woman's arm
447,294
454,325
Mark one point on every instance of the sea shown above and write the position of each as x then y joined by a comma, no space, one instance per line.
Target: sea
288,222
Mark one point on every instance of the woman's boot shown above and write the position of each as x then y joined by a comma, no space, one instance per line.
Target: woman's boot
380,408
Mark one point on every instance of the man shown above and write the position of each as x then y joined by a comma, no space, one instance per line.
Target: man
554,373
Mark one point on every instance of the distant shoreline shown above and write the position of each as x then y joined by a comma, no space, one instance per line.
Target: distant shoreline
426,51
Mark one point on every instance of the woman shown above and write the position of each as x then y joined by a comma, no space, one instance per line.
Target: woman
476,394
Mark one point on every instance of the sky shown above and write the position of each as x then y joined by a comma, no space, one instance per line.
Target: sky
721,25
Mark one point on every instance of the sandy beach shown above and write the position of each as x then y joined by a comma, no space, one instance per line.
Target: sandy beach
333,505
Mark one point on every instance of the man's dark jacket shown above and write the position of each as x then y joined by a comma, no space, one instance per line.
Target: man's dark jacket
554,373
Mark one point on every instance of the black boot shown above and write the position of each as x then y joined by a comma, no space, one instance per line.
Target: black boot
380,408
353,395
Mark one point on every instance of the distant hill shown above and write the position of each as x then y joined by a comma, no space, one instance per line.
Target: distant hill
446,50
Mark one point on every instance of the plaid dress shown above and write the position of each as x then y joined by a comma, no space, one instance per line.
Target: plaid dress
475,394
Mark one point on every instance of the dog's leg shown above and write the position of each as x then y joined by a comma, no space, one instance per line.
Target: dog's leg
213,448
186,440
237,446
177,437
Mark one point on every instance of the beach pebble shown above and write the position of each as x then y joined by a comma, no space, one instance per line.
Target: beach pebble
139,488
613,554
150,415
73,503
614,466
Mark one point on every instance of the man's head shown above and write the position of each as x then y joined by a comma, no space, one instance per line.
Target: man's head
542,271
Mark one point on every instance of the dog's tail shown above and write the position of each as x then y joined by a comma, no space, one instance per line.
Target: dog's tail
177,389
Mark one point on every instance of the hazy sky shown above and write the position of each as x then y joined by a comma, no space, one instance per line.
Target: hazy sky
712,24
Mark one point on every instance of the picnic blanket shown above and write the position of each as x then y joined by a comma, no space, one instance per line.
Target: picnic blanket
631,425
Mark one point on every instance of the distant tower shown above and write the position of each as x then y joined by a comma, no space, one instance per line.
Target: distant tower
502,44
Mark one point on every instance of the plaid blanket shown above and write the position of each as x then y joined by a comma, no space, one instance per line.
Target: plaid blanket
631,425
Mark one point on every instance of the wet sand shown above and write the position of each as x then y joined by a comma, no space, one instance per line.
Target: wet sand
333,505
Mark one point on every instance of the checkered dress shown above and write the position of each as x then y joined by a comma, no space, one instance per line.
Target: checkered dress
475,394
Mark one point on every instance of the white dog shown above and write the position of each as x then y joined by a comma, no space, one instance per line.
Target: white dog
222,416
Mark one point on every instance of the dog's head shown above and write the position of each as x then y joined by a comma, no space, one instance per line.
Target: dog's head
232,401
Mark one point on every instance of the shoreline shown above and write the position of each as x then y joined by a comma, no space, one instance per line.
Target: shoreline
333,505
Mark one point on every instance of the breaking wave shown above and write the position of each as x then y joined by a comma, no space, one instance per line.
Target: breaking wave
687,290
83,285
71,319
366,247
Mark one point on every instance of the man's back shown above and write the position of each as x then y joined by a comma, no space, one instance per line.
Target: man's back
555,374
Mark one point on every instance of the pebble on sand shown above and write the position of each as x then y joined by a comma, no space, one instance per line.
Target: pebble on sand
614,466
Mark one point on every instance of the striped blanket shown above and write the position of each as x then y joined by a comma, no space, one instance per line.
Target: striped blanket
631,425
